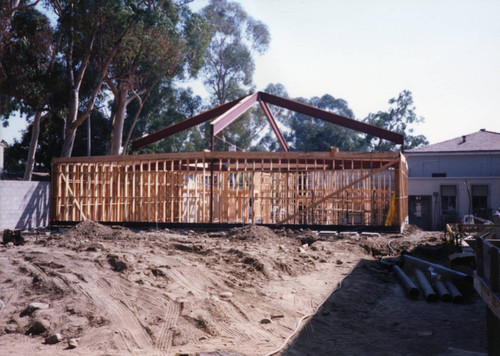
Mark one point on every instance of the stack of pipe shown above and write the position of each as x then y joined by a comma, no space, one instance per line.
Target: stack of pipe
440,285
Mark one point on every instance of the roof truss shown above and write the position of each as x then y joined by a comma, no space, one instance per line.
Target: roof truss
223,115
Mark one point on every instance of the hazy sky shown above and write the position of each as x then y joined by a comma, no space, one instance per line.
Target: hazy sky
446,52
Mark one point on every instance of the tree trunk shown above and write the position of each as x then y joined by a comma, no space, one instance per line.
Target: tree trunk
69,140
70,132
119,120
141,105
73,120
30,161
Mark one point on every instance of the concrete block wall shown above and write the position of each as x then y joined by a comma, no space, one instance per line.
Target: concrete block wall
23,204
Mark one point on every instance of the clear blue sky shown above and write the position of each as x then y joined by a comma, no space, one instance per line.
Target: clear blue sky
447,52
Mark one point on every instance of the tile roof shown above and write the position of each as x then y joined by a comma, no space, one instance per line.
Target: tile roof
478,141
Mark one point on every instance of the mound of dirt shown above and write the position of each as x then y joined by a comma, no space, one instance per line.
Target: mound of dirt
94,231
252,232
89,229
411,229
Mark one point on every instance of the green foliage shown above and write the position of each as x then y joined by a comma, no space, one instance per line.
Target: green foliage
164,43
156,41
197,34
397,118
311,134
229,69
152,45
26,59
304,133
166,106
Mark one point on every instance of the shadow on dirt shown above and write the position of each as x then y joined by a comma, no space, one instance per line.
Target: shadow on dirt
370,314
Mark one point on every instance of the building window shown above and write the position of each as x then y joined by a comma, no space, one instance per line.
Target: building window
480,201
449,203
438,175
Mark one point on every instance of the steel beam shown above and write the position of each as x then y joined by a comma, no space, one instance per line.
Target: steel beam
274,125
233,113
184,125
332,118
226,113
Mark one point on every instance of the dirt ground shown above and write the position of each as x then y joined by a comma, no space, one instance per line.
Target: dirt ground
243,291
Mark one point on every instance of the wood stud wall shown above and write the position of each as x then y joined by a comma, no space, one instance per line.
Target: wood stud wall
247,188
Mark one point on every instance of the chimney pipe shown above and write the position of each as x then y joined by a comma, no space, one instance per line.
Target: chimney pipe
463,138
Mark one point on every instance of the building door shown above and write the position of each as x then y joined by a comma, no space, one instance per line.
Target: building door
448,205
480,201
420,211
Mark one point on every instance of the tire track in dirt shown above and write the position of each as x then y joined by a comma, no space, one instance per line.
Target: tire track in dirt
172,313
154,305
150,303
14,294
146,298
128,326
29,343
226,322
187,281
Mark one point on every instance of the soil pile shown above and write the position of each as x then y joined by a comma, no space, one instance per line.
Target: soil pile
252,232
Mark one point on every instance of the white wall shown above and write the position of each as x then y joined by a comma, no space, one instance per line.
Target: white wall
427,186
2,146
24,204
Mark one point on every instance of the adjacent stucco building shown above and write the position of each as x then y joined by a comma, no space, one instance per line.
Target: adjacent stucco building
2,147
453,178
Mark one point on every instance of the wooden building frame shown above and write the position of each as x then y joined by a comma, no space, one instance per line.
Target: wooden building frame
273,188
325,189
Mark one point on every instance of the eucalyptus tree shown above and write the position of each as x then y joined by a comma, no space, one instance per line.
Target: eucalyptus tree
50,142
167,105
92,32
228,73
33,74
8,9
236,37
310,134
166,42
399,118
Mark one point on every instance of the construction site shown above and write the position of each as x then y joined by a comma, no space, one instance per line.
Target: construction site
340,189
245,253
